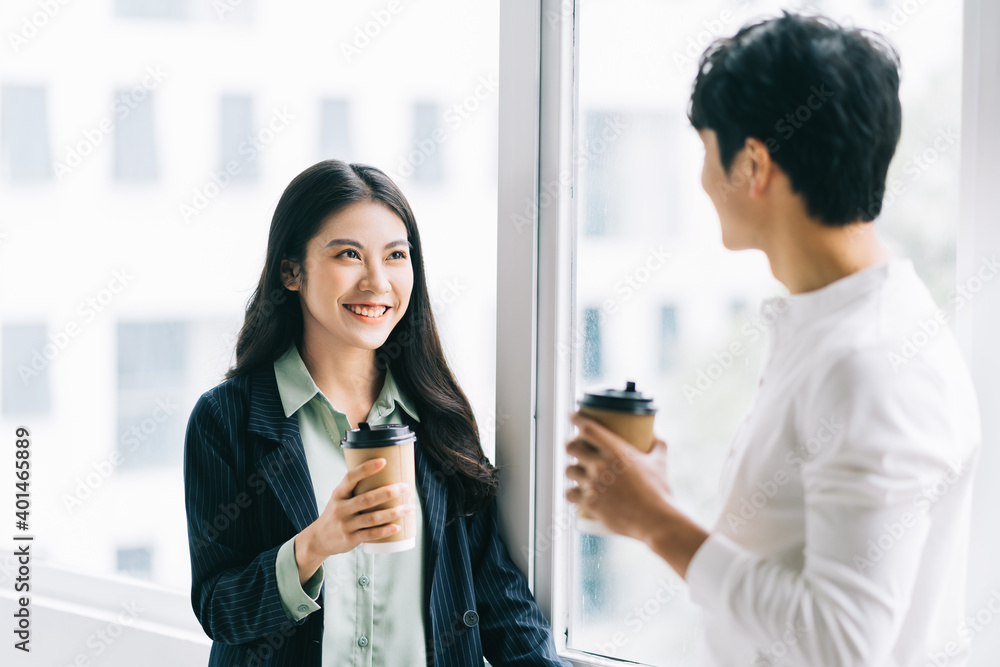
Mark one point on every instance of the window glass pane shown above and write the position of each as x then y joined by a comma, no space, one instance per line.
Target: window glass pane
335,130
152,364
135,562
152,9
27,354
135,136
426,156
661,302
236,134
24,134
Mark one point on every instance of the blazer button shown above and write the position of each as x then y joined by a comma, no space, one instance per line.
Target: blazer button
471,619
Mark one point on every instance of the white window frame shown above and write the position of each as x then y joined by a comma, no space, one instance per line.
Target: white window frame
536,240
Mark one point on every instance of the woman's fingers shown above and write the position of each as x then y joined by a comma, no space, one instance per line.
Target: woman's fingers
378,517
375,497
346,487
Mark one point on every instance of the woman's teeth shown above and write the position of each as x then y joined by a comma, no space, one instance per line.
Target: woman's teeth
366,311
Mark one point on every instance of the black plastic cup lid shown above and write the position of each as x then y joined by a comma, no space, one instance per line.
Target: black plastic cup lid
383,435
628,400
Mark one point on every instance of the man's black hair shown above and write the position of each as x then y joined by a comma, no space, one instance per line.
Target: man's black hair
824,99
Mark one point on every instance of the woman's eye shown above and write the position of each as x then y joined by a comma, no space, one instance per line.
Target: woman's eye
353,254
399,254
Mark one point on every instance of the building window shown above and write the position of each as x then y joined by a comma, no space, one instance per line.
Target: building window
591,357
25,155
235,132
152,365
26,357
668,338
151,9
135,137
425,154
135,562
643,196
335,133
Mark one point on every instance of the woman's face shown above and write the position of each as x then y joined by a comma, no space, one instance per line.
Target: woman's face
358,277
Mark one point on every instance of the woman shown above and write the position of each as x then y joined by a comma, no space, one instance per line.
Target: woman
339,331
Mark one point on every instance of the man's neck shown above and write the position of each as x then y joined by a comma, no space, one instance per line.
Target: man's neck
806,256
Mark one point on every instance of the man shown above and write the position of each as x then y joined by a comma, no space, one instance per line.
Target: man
843,537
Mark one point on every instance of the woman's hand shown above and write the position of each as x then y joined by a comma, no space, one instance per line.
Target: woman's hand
347,522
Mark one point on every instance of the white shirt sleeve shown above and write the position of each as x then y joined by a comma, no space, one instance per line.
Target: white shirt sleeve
866,520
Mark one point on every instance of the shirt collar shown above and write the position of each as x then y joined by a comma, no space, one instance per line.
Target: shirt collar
296,387
795,310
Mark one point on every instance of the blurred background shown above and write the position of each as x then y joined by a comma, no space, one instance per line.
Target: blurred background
145,143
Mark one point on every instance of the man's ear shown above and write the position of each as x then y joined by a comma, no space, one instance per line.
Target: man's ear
291,274
760,166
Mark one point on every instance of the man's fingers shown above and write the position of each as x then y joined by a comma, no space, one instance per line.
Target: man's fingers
603,439
583,451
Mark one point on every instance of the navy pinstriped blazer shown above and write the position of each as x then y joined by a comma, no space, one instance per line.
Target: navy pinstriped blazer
248,490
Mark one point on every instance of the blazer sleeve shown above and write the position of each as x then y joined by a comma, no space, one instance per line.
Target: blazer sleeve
513,630
234,590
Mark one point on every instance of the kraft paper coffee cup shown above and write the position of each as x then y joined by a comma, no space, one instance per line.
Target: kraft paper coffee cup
394,443
628,413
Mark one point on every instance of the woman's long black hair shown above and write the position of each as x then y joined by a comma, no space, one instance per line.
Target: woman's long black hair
412,351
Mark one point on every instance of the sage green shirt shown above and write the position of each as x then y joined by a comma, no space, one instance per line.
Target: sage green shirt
374,614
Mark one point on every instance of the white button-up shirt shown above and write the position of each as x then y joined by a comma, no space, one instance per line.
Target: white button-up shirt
844,535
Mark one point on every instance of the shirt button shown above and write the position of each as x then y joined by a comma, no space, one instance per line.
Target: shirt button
303,608
470,618
363,581
362,641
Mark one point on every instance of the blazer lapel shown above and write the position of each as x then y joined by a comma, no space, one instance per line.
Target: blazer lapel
284,467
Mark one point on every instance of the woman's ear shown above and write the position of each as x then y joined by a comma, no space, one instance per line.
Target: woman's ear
290,274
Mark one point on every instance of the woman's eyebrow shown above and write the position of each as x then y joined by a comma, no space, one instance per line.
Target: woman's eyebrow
355,244
350,242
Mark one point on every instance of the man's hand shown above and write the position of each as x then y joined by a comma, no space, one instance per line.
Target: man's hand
628,492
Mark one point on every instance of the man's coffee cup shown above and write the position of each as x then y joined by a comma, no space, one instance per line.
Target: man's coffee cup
629,414
394,443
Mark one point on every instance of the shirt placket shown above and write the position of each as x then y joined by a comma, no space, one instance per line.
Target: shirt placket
365,615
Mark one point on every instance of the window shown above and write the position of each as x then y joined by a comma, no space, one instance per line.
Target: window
152,9
335,129
152,364
426,155
236,130
135,562
668,338
591,358
27,353
25,155
135,136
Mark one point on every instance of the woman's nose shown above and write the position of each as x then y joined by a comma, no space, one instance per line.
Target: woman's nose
375,280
